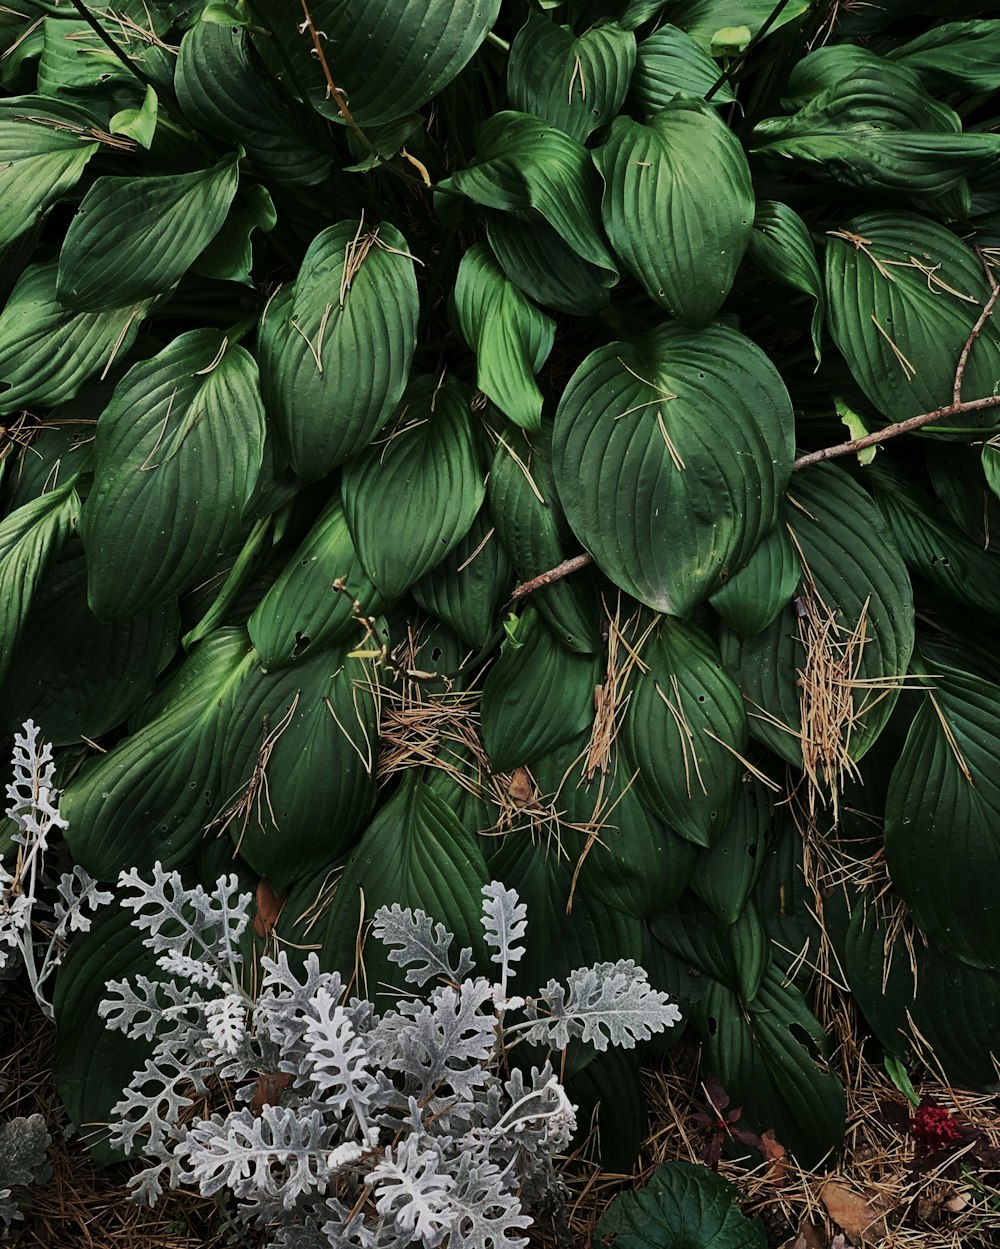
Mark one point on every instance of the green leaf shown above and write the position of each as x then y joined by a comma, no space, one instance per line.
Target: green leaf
682,239
180,446
388,59
954,56
319,599
878,130
91,1064
749,601
562,934
726,874
683,1206
133,238
684,731
610,1101
335,349
704,19
619,851
536,697
525,163
30,539
416,853
229,256
851,565
224,94
536,537
47,352
410,501
105,670
75,59
576,84
545,268
782,246
510,337
152,795
947,559
903,294
770,1056
885,972
470,585
44,148
138,123
942,817
670,455
669,64
298,764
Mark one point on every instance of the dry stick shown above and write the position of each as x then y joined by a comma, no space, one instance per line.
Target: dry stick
332,90
957,407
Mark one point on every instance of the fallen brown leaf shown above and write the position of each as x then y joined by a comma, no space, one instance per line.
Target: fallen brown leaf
861,1217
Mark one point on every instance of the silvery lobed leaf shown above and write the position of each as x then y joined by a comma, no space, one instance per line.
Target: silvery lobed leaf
505,921
337,1058
152,1117
78,890
212,921
282,1153
284,1000
225,1021
488,1213
607,1004
32,795
417,943
447,1040
138,1010
411,1192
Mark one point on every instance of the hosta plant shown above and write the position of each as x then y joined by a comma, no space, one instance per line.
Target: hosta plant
549,441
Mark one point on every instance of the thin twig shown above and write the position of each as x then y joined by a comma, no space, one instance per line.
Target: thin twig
555,574
332,90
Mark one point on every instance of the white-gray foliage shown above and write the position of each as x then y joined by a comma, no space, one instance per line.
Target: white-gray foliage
39,906
355,1128
24,1143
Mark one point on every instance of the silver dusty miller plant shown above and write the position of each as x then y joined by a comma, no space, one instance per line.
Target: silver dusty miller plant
39,907
354,1128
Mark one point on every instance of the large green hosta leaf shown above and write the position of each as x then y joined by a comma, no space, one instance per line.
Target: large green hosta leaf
954,56
223,93
410,501
510,337
856,571
133,238
537,696
336,348
942,816
387,58
670,455
903,294
298,764
525,163
618,850
669,64
178,451
681,236
749,601
47,351
44,147
30,539
782,246
684,730
704,20
577,84
545,268
908,992
151,797
414,852
105,670
320,597
468,588
726,874
533,530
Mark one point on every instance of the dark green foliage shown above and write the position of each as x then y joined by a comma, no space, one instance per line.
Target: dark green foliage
317,340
